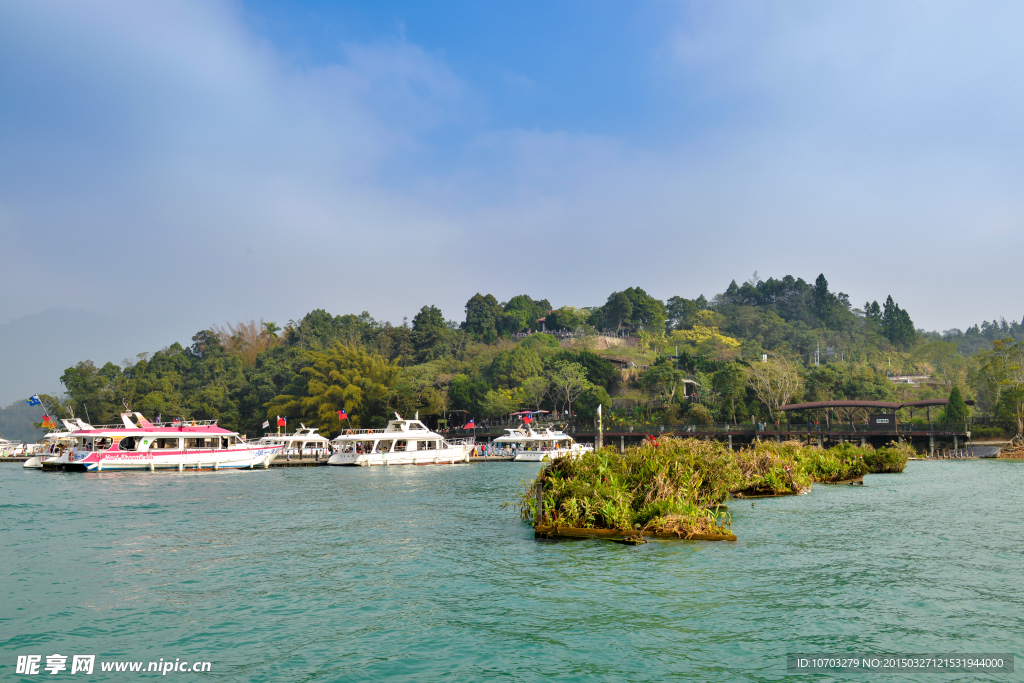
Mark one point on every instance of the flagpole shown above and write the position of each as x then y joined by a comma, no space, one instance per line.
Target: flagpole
600,428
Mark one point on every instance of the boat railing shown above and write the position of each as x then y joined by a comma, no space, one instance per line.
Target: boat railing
169,425
365,432
469,441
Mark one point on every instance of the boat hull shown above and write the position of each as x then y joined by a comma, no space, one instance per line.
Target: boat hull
241,458
448,456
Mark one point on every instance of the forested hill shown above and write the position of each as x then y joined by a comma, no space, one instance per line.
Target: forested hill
631,354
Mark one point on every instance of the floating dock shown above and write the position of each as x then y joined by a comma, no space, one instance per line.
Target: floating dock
298,462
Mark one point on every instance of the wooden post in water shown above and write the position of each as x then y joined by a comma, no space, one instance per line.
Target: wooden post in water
540,504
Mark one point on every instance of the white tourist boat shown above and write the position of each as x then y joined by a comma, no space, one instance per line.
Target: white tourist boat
10,448
402,442
305,441
533,445
141,445
53,443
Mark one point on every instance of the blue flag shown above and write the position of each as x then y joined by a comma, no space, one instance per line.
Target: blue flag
34,401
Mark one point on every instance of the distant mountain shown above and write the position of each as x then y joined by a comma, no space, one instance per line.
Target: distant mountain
35,350
16,422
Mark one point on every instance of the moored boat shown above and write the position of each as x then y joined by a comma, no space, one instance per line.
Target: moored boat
533,445
142,445
402,442
9,448
54,443
305,441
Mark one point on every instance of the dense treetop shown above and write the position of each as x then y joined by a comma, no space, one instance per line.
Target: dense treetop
645,360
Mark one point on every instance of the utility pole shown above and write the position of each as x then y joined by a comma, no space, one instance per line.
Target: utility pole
817,353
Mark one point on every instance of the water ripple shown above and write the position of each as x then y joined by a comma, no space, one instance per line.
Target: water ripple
334,574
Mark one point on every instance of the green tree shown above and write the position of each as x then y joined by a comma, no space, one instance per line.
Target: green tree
589,400
599,370
774,382
568,380
568,318
521,313
498,403
510,368
897,326
635,307
428,334
681,313
729,383
1003,366
533,391
951,367
483,315
663,380
618,310
342,377
541,343
956,409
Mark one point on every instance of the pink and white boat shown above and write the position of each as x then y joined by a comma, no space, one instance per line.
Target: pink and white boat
142,445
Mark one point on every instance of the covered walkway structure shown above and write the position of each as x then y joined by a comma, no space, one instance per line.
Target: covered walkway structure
874,420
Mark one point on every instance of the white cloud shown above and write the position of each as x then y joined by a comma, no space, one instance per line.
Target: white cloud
149,146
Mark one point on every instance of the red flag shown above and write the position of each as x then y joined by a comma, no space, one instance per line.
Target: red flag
470,425
527,419
281,421
342,415
47,422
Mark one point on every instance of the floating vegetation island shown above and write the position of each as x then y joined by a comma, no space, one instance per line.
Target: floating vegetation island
669,487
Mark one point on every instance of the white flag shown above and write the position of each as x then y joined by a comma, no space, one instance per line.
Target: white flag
266,424
598,408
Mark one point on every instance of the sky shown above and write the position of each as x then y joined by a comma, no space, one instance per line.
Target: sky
171,166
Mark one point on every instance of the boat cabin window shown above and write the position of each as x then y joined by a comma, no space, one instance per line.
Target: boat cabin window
102,443
400,446
383,447
357,447
164,443
128,443
210,442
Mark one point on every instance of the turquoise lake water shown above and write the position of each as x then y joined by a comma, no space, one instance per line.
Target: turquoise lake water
416,573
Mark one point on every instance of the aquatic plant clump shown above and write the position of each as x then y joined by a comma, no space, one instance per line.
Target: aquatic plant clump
769,468
671,485
839,463
891,458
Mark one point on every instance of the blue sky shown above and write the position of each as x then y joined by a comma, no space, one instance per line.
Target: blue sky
178,165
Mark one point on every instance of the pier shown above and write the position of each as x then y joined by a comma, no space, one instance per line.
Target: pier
298,462
928,438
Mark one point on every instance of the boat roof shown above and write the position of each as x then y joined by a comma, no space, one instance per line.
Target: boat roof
395,428
143,426
526,433
304,433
